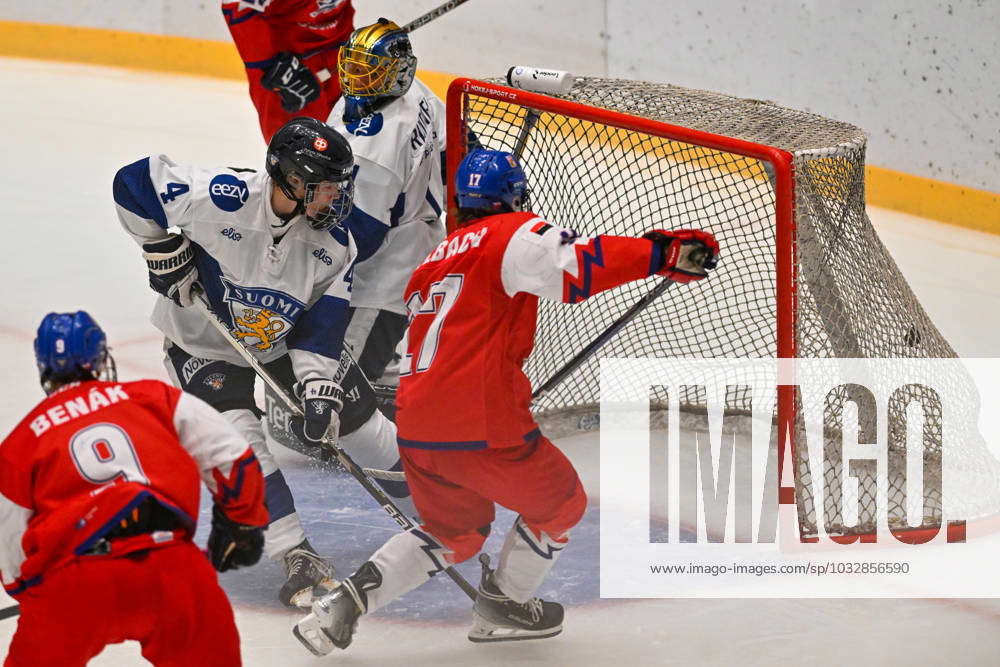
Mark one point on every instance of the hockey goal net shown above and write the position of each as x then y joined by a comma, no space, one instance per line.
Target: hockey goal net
803,273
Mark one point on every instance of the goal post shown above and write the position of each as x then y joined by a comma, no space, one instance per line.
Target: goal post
802,273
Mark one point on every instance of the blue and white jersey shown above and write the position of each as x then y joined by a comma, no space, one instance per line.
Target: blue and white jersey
399,152
290,294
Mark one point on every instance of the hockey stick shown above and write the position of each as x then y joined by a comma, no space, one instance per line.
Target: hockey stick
10,612
583,355
698,256
432,14
325,74
353,468
531,117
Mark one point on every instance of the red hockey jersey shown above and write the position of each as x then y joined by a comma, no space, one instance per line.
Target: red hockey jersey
90,453
311,29
472,307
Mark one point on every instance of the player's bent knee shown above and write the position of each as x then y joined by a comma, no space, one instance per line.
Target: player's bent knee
566,515
463,547
575,507
248,424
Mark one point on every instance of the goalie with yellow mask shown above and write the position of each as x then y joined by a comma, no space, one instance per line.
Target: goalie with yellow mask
375,66
395,126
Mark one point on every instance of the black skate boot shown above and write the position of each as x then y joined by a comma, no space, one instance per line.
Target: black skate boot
497,618
334,616
304,572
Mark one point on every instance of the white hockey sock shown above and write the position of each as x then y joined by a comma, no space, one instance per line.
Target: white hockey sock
285,529
283,534
405,561
248,424
524,562
373,445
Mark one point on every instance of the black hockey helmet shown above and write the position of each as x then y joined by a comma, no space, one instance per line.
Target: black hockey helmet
305,152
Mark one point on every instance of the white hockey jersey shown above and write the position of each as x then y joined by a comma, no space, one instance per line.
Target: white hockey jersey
399,152
276,296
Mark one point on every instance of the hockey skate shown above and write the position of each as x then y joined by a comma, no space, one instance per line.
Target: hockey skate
497,618
307,576
335,616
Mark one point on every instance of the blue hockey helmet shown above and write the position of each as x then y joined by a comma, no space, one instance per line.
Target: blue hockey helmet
490,180
71,346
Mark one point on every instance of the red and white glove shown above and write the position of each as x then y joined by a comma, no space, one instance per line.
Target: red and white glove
688,254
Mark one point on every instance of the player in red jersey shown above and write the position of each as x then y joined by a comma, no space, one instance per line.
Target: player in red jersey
289,48
99,493
466,435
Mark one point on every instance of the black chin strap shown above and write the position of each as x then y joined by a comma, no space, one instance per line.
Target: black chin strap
279,231
300,209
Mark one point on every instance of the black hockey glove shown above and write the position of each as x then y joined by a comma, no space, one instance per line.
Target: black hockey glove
292,80
233,545
321,403
171,268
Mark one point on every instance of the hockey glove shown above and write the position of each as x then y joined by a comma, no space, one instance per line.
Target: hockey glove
171,268
292,80
688,254
233,545
321,403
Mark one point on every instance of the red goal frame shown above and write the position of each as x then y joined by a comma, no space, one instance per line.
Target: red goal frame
781,162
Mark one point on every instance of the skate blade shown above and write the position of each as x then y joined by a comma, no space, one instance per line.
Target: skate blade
304,598
323,646
484,631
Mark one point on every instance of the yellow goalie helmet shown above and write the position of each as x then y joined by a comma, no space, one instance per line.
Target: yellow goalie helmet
376,61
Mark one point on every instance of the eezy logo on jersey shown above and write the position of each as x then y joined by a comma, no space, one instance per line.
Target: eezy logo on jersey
367,126
261,316
228,192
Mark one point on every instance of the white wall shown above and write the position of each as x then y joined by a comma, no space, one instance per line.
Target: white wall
201,18
921,76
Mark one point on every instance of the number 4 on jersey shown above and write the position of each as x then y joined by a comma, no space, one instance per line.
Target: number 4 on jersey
174,190
441,296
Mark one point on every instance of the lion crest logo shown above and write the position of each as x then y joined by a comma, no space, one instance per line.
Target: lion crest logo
261,317
259,326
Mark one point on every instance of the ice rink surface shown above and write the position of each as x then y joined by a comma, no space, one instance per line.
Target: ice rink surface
70,127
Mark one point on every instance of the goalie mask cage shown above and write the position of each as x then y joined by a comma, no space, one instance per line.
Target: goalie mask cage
802,273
